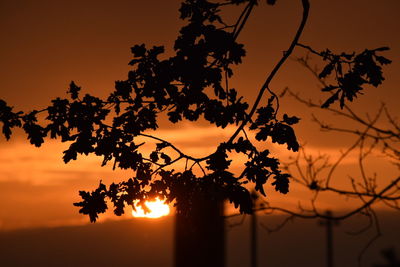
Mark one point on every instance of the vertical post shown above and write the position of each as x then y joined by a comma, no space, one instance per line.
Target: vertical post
328,223
253,233
329,242
199,235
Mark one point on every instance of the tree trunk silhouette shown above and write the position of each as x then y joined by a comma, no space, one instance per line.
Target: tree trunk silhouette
199,235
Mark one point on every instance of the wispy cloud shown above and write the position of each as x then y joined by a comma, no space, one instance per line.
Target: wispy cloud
37,188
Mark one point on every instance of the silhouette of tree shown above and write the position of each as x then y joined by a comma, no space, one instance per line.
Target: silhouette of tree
191,84
374,134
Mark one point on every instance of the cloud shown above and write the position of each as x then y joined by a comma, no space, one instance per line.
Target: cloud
37,188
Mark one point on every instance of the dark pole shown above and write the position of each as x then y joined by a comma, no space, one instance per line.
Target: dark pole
328,223
329,242
199,235
253,233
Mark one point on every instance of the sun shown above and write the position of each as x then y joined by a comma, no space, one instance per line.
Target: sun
157,209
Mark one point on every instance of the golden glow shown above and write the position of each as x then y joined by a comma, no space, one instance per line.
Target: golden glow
157,209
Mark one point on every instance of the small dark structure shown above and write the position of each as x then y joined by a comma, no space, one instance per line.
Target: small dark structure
329,223
200,236
253,232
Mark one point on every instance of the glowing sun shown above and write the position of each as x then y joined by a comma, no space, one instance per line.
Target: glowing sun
157,209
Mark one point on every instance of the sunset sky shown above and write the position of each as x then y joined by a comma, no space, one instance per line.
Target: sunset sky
46,44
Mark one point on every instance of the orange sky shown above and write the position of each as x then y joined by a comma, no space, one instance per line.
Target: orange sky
46,44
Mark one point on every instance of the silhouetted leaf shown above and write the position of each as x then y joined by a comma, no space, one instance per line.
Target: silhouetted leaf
35,132
362,69
284,134
330,100
174,116
9,119
166,158
138,50
93,203
329,88
123,89
326,71
74,90
154,156
281,183
161,146
218,160
382,60
70,154
384,48
290,120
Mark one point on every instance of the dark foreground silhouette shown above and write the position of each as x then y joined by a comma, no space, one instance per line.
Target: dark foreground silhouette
148,243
